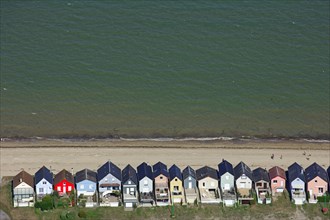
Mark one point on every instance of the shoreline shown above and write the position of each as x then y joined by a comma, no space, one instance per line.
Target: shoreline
194,143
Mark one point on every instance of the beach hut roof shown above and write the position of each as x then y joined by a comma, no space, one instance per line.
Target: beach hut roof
188,171
63,175
23,176
328,173
109,168
276,171
129,173
260,174
225,167
296,171
207,171
315,170
43,173
160,168
86,174
241,169
144,170
175,172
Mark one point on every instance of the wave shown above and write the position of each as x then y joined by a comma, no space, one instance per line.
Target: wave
168,139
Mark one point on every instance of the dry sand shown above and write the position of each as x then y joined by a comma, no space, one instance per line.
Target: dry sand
32,154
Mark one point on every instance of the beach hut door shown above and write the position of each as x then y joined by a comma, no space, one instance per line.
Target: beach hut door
190,185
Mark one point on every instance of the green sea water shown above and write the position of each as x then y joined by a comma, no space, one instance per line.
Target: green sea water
165,68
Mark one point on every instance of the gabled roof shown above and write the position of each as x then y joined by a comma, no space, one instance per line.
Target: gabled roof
260,174
175,172
206,171
225,167
144,170
296,171
108,168
328,173
241,169
86,174
43,173
276,171
129,173
160,168
315,170
23,177
188,171
63,175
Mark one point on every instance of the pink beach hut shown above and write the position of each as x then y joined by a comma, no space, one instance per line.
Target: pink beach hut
277,179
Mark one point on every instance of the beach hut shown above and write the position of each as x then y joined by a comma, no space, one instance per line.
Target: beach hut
130,182
43,179
161,175
277,179
23,190
296,181
208,184
317,182
63,182
86,185
190,184
109,184
227,183
176,186
262,185
146,189
243,182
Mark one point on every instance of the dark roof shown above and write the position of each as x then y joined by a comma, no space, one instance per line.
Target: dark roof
260,174
108,168
328,173
315,170
63,175
188,171
160,168
276,171
129,173
241,169
43,173
225,167
175,172
23,177
206,171
86,174
296,171
144,170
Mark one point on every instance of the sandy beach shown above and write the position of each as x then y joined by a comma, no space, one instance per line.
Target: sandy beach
30,155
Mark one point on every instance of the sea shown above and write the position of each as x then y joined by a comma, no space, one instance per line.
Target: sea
165,69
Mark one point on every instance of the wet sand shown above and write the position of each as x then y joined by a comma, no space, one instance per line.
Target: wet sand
75,155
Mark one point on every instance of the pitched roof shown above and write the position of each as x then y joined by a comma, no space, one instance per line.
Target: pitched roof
206,171
144,170
64,174
160,168
23,177
86,174
175,172
328,173
129,173
315,170
276,171
108,168
296,171
43,173
188,171
260,174
241,169
225,167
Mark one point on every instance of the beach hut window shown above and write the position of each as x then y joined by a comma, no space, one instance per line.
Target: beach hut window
316,181
70,188
320,190
275,181
41,190
58,188
81,186
189,178
91,186
145,182
227,177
